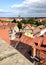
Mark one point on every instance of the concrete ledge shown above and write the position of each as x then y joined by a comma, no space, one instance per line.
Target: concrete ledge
10,56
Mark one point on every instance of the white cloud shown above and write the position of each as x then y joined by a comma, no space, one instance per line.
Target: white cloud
1,10
28,8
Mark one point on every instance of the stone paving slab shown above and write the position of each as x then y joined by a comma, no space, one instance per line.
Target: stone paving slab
10,56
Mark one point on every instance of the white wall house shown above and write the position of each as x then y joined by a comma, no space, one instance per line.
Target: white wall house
42,32
12,34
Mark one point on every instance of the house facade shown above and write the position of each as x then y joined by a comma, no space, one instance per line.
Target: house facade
27,30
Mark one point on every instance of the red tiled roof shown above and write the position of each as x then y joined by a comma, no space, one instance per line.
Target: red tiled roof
35,31
25,39
31,42
27,25
4,34
41,48
44,40
1,23
41,26
38,40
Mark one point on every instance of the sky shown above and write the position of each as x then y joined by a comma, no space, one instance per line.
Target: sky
23,8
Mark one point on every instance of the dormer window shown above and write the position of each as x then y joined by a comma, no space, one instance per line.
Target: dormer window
36,43
43,46
41,36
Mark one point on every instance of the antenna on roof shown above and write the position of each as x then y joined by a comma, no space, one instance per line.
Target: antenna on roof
19,16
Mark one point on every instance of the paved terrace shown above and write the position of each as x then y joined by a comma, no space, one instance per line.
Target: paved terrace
10,56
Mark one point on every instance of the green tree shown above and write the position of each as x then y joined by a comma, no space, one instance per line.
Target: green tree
31,21
44,23
14,21
38,23
19,25
24,21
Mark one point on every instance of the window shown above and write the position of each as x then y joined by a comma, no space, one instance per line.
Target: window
30,53
36,44
43,46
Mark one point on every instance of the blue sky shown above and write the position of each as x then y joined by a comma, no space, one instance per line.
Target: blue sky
24,8
8,3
